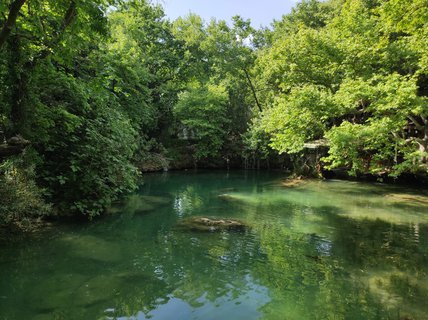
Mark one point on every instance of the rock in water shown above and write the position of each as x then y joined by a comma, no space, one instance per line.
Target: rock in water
293,182
212,224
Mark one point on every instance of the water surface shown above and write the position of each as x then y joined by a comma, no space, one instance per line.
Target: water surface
317,250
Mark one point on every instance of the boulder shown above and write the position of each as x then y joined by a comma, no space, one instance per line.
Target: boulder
210,224
293,182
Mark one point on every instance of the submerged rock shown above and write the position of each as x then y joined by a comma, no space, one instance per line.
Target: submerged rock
212,224
293,182
406,198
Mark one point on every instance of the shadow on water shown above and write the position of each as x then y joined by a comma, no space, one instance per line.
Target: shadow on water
321,250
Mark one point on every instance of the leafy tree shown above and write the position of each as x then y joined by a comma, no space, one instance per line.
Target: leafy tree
84,144
202,111
47,29
191,32
302,116
358,79
390,138
10,21
222,55
89,83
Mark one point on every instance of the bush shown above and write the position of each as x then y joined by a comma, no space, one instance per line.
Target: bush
21,200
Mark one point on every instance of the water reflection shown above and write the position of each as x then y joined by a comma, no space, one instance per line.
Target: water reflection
187,201
321,250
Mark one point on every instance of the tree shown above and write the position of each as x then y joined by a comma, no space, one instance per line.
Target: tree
302,116
202,111
51,97
357,79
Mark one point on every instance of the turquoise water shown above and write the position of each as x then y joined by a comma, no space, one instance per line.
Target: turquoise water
316,250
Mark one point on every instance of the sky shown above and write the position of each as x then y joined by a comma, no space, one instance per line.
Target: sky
261,12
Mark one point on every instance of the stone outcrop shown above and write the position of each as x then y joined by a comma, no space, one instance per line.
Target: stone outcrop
209,224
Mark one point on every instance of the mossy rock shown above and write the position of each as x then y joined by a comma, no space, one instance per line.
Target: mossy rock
209,224
293,182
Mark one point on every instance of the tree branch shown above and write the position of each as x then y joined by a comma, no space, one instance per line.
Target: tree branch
416,123
253,90
69,17
15,7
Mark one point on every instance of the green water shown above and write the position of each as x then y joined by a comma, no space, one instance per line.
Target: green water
319,250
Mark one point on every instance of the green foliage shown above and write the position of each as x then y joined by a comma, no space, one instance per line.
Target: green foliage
191,32
387,139
89,83
256,141
300,117
356,76
21,201
361,148
143,62
100,164
308,13
202,111
87,145
222,55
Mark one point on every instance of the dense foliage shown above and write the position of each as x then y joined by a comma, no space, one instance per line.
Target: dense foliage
100,86
353,72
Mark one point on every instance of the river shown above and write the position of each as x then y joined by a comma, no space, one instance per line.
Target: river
313,250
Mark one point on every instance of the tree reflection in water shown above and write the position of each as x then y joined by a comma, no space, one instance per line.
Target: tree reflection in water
320,250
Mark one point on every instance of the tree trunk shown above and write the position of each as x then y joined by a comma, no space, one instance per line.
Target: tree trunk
19,88
421,125
253,90
423,147
20,72
15,7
